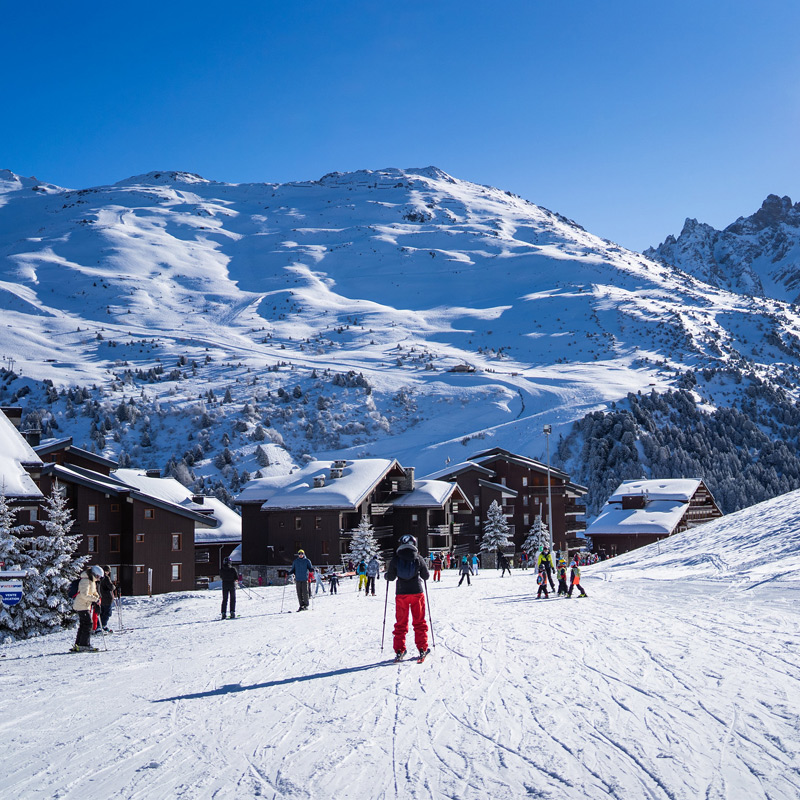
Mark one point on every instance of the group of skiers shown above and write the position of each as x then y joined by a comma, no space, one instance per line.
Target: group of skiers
94,602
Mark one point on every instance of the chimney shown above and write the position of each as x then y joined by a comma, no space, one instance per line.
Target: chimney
336,472
153,473
33,436
406,483
319,481
199,499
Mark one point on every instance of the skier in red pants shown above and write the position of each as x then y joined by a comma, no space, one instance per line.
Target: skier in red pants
410,570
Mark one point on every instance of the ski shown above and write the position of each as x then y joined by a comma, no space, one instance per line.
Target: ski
422,656
399,657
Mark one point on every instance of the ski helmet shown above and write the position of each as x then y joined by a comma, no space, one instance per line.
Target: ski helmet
407,542
96,571
226,561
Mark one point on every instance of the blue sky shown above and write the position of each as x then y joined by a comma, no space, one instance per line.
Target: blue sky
624,116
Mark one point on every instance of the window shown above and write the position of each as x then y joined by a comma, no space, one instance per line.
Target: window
414,519
317,523
176,541
525,499
324,545
139,537
502,481
525,519
176,572
524,481
202,556
93,540
113,542
149,513
140,569
114,507
477,501
34,514
477,522
114,573
92,513
298,523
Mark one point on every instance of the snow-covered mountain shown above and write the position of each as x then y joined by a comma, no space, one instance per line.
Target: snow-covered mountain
757,255
331,313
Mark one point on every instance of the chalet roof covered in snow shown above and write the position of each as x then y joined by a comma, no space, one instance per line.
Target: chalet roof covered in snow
429,494
15,453
228,527
298,490
667,500
457,469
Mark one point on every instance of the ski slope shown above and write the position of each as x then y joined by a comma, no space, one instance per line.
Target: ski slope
667,682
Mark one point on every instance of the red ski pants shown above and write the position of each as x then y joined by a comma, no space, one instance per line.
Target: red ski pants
415,603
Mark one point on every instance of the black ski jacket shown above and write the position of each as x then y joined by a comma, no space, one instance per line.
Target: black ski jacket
228,574
408,585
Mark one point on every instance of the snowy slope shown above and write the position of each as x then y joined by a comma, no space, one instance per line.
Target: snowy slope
399,275
680,687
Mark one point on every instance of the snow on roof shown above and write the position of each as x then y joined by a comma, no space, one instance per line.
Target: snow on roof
660,516
454,469
297,490
14,452
664,488
167,489
228,528
236,555
427,494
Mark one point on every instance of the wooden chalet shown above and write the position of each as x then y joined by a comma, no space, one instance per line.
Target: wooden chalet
20,468
318,507
646,511
519,485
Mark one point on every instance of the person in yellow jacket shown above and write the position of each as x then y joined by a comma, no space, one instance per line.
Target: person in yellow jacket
86,597
546,559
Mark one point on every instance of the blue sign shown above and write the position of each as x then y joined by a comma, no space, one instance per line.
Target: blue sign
10,592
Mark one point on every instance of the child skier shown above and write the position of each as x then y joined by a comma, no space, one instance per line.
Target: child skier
437,567
361,571
410,570
465,571
562,577
575,578
334,582
541,579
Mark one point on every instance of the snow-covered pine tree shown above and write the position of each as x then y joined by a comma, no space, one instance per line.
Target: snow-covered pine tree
363,545
12,555
538,537
495,530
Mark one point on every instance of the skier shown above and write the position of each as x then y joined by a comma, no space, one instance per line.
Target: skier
541,579
465,571
361,571
410,570
301,568
107,590
523,560
333,582
87,595
229,577
502,563
373,570
317,581
475,564
562,577
546,559
437,567
575,578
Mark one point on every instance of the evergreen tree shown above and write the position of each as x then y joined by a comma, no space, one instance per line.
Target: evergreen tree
363,545
495,530
12,546
538,537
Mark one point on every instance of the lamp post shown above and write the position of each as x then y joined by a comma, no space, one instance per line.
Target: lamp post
548,429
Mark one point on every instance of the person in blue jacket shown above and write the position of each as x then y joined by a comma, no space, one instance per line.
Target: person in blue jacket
301,567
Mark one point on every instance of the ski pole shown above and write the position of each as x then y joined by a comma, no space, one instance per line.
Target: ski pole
119,612
283,596
385,605
430,617
103,631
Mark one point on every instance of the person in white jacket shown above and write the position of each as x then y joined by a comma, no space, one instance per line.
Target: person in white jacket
87,595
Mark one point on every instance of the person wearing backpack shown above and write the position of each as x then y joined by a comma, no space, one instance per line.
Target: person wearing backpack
361,571
409,569
575,577
373,570
541,579
87,595
562,577
465,570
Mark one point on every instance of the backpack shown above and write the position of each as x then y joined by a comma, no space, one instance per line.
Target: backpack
72,589
540,579
407,570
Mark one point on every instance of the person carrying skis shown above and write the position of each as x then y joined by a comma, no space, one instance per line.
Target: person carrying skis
229,577
465,571
562,577
86,597
575,578
437,567
361,571
408,568
106,589
373,570
301,569
541,579
546,559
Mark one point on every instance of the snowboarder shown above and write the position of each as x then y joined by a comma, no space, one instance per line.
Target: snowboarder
437,567
87,595
541,579
562,577
410,570
361,571
301,568
546,559
229,577
333,582
465,571
373,570
502,563
107,590
575,578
